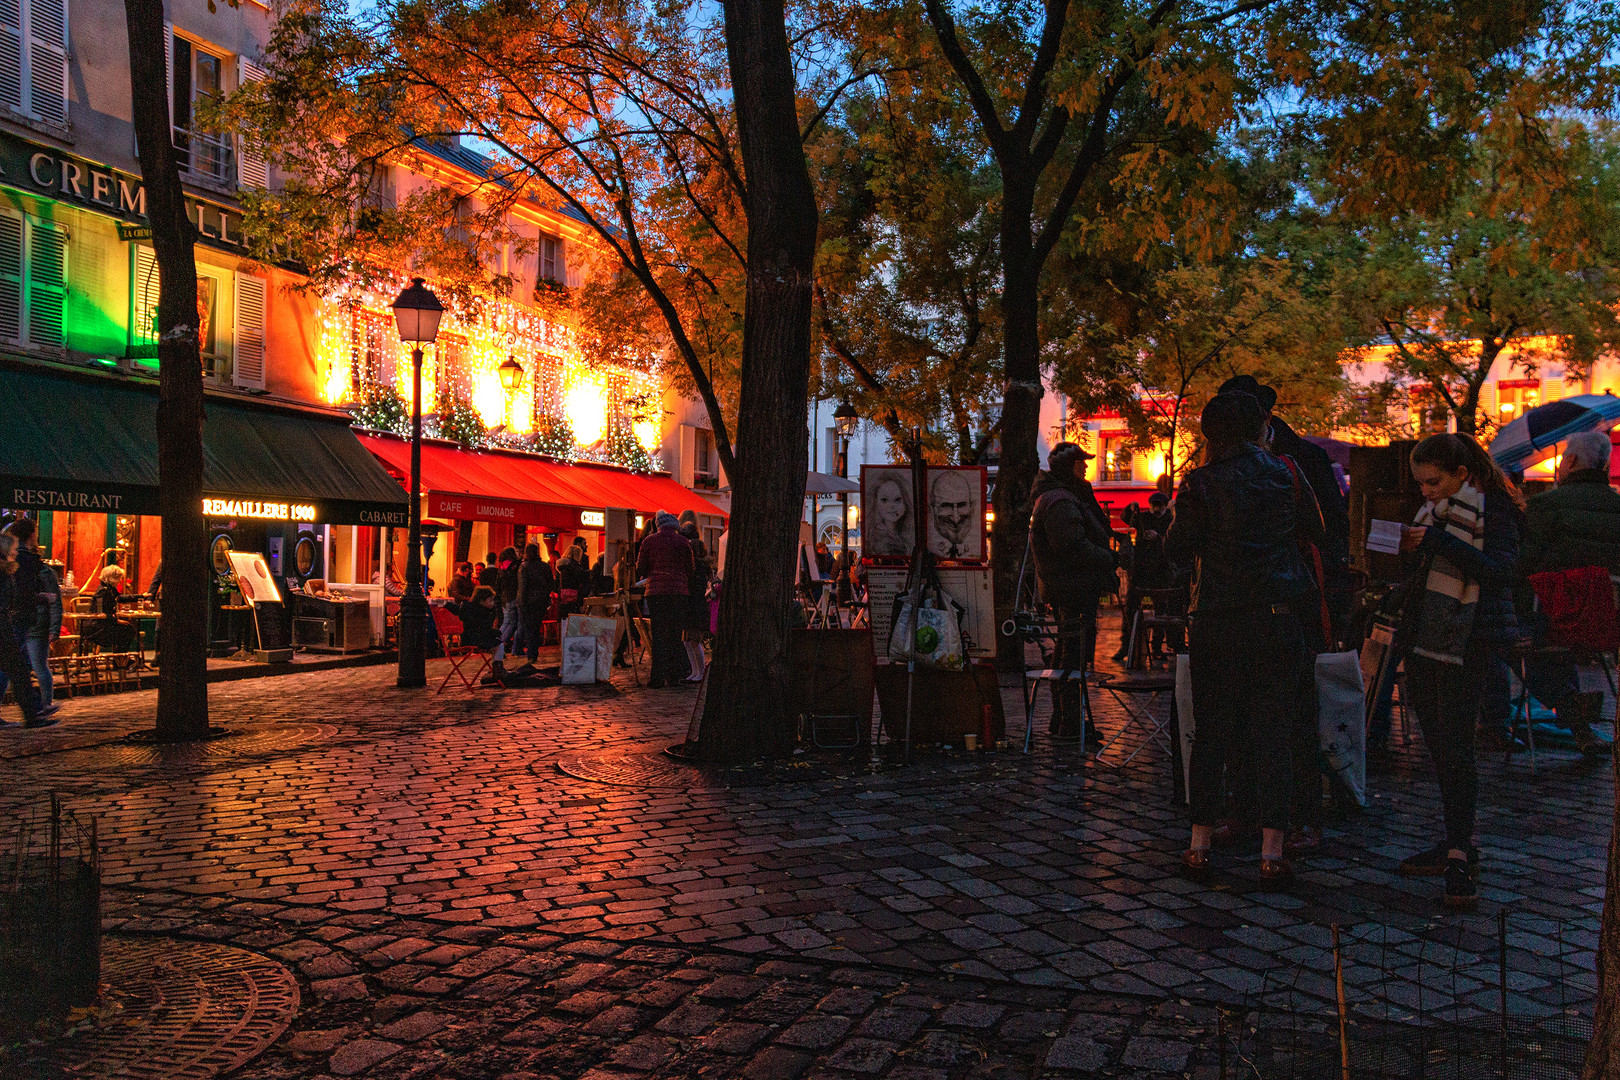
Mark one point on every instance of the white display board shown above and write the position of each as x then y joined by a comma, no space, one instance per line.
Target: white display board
968,586
253,578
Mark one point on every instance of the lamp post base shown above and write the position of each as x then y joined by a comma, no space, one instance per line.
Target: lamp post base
413,616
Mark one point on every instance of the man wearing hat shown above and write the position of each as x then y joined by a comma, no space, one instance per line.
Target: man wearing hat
1075,565
1316,469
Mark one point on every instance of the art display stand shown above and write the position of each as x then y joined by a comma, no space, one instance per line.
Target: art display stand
945,706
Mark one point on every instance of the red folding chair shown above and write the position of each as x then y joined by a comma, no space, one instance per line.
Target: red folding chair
449,630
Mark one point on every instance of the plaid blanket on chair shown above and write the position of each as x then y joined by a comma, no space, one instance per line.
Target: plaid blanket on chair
1446,608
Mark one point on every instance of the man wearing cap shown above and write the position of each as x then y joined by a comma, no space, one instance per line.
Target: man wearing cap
1069,538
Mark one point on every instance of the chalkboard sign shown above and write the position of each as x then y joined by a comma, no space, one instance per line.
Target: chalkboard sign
267,616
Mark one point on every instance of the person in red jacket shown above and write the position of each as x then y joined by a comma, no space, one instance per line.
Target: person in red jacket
665,563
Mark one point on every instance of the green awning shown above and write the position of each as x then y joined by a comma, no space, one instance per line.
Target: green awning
88,442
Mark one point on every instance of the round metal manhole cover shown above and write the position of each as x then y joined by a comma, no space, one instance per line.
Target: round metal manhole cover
176,1010
641,767
239,742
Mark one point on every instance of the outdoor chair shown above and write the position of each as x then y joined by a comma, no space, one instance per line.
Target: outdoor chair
448,629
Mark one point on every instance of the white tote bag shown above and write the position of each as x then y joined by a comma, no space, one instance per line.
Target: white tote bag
1184,718
1341,719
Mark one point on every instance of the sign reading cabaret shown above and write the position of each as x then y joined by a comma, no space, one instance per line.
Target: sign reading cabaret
48,171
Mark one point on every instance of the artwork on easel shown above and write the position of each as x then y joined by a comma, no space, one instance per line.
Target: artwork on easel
578,661
888,518
955,512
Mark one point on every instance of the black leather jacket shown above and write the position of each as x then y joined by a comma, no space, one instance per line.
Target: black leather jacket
1240,519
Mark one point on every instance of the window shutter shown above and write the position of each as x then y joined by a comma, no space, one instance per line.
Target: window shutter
11,271
249,336
47,60
251,170
11,54
143,326
688,455
1487,401
47,283
1551,390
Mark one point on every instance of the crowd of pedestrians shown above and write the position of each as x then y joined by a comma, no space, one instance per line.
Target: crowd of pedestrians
1255,545
506,602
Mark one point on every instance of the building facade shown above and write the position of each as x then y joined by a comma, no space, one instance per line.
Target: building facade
286,370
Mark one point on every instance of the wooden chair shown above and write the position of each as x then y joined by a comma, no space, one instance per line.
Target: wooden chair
449,630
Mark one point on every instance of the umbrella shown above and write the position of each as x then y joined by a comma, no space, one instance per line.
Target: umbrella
1525,440
820,483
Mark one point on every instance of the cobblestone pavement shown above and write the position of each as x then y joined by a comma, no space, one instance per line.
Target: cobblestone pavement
454,905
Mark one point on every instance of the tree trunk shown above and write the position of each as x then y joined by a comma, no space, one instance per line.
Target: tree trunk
182,707
746,712
1020,406
1603,1053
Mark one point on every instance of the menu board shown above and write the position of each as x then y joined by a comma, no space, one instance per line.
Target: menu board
253,578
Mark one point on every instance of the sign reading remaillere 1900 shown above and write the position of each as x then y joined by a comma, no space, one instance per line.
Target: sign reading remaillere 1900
53,173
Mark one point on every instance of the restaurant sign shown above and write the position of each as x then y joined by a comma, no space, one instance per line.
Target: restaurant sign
592,519
53,173
258,509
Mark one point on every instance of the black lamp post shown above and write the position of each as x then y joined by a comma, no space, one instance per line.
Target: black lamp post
845,418
417,312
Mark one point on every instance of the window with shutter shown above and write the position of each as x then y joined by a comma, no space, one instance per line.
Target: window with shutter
249,366
11,54
251,169
47,60
33,59
11,277
47,283
143,318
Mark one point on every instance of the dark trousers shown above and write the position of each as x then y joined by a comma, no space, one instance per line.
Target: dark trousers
668,614
1246,674
1077,640
14,664
1446,699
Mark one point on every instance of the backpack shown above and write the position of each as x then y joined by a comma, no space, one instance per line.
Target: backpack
1579,606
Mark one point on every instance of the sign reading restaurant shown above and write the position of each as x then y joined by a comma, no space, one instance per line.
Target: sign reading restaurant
48,171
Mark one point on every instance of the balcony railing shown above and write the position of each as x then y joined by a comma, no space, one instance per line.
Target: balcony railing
208,155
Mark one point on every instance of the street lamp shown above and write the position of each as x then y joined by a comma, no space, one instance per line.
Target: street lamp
417,313
511,373
845,419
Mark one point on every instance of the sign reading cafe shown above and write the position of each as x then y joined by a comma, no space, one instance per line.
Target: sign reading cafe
48,171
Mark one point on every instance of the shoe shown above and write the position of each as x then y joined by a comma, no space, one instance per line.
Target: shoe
1276,873
524,671
49,710
1304,840
1432,863
39,722
1195,866
1590,746
1461,892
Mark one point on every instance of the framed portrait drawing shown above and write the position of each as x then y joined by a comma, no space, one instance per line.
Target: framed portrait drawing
888,518
954,515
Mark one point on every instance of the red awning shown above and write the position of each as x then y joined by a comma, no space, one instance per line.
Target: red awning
522,489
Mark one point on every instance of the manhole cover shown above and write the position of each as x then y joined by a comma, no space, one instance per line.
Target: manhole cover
175,1010
261,739
636,768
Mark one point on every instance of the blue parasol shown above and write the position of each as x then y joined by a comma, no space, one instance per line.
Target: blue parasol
1530,437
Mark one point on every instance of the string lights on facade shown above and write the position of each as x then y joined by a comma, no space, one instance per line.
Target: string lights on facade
560,406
